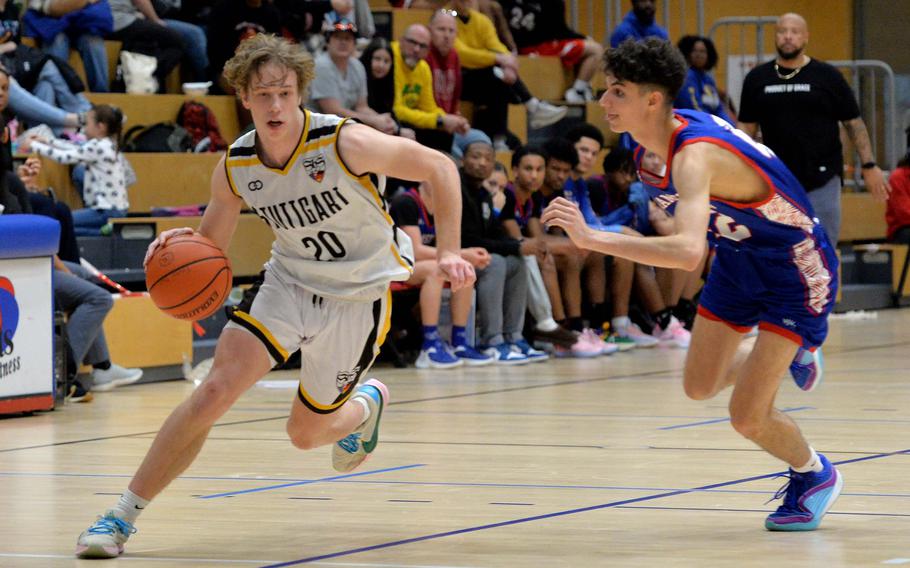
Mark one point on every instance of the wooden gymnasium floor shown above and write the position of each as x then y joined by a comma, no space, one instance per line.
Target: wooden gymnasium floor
571,463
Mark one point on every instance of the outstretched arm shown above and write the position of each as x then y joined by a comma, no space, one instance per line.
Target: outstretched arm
682,249
365,150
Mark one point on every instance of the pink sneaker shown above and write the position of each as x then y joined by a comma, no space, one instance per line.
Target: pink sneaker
642,340
591,338
581,349
674,336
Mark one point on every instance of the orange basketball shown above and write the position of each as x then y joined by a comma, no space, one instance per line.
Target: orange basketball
188,278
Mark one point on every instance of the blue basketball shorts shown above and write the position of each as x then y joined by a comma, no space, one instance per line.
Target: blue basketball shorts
791,296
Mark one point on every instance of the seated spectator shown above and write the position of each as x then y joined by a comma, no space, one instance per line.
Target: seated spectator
231,22
140,30
699,92
340,86
446,68
359,13
55,23
540,28
377,62
52,81
104,192
502,287
86,305
521,219
42,202
623,208
415,105
496,185
638,24
412,210
897,214
490,78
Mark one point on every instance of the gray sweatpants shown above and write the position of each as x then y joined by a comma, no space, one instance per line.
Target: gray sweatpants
502,297
87,305
826,203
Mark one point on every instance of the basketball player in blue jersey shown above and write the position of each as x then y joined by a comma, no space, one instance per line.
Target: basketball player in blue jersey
774,266
317,181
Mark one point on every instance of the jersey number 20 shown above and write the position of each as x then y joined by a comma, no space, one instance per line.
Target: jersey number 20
325,241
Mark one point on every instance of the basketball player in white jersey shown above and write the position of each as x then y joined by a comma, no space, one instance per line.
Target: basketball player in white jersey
317,181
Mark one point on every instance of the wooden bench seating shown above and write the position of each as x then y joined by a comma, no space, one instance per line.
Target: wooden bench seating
250,246
149,109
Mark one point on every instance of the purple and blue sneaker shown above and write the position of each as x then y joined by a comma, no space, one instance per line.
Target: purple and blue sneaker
806,369
807,497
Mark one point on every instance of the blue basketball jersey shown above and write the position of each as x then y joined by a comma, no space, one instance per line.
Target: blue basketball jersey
772,226
772,251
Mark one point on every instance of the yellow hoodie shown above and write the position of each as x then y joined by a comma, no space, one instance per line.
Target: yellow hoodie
477,43
414,103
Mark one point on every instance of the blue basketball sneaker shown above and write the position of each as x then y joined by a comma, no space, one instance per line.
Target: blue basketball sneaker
105,538
533,355
806,368
807,497
436,355
356,447
472,357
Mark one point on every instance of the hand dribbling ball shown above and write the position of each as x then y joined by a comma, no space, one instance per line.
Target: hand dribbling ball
189,277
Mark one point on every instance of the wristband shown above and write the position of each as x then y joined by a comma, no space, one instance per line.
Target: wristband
868,165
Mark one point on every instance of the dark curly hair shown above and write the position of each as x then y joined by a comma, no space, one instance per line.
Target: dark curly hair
687,43
562,150
651,62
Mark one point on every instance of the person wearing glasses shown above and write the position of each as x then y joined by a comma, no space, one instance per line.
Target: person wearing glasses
415,105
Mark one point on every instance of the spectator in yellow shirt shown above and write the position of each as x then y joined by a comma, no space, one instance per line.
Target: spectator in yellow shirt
414,104
490,75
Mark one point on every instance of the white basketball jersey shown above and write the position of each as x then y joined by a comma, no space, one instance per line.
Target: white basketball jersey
333,232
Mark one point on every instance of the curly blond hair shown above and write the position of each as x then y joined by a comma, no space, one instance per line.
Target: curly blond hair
261,49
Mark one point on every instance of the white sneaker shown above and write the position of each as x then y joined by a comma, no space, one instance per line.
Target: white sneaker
546,114
674,336
576,96
105,538
116,376
641,339
356,447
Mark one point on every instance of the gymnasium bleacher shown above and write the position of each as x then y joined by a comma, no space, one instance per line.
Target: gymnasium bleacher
174,180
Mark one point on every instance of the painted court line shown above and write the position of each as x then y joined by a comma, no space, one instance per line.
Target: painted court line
223,561
613,504
719,420
556,487
310,481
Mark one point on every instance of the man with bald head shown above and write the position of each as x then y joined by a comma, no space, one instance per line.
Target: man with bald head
446,68
415,105
798,102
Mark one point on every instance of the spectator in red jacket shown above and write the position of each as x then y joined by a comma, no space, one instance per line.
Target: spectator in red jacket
898,212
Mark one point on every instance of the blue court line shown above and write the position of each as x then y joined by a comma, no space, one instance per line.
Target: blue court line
310,481
719,420
556,514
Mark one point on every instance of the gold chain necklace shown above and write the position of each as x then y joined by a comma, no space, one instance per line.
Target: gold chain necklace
789,75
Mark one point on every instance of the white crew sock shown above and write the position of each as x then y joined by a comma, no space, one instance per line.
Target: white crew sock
129,507
620,323
547,325
366,409
533,104
814,464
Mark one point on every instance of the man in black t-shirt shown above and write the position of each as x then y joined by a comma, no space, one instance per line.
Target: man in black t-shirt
798,102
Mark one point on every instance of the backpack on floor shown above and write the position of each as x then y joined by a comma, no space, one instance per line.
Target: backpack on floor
159,137
200,122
